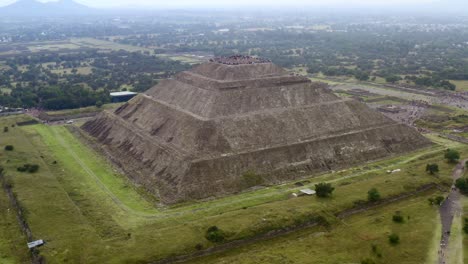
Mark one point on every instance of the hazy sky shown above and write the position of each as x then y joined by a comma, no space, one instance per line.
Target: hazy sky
221,3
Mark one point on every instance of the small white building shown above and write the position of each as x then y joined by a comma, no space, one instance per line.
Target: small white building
36,243
307,191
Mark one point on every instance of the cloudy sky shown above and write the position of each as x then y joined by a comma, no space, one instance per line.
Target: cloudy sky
221,3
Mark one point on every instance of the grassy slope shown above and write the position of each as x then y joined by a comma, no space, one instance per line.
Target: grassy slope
350,241
12,242
85,222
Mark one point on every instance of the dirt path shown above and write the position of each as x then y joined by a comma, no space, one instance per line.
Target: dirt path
449,208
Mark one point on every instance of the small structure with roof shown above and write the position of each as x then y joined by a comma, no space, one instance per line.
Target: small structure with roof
124,96
306,191
36,243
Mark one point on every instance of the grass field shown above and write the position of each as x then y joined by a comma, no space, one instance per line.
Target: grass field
464,204
351,241
106,45
461,85
13,248
97,215
89,109
80,70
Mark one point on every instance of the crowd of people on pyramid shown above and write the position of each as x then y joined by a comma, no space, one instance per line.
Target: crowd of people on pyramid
239,59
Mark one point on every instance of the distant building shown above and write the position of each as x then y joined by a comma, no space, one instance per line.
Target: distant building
118,97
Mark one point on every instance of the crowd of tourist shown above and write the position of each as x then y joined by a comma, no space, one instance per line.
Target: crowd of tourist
239,59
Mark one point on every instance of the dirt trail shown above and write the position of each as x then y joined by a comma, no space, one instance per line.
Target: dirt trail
449,208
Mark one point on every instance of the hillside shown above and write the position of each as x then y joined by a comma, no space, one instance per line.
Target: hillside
36,8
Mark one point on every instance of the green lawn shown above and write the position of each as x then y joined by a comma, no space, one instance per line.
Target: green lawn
89,213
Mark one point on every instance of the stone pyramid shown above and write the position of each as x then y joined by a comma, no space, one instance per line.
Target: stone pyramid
238,122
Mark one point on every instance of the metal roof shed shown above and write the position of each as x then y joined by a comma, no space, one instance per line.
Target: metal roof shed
307,192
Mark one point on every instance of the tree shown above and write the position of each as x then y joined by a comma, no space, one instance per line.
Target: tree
324,189
439,199
398,218
452,155
392,79
31,168
214,234
373,195
432,168
99,104
9,148
462,185
394,239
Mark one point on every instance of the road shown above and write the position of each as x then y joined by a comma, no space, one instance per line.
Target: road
449,208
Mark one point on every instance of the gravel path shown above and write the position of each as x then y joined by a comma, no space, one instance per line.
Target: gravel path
449,208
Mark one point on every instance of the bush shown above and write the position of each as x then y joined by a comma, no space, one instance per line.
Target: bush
398,218
465,227
462,185
324,189
373,195
198,246
367,261
9,148
5,129
452,155
31,168
432,168
322,221
214,234
394,239
439,199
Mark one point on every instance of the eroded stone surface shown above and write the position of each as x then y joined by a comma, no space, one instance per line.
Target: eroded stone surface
196,136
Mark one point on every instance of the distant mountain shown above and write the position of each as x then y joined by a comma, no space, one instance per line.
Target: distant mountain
36,8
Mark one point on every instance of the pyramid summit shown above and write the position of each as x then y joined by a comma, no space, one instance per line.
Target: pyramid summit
233,123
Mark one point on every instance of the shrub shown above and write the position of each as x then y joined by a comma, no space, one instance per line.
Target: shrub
322,221
462,185
9,148
198,246
465,226
31,168
452,155
367,261
214,234
432,168
398,218
439,199
394,239
373,195
5,129
324,189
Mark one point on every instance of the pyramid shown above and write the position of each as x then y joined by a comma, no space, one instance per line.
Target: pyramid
234,123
